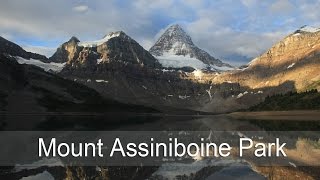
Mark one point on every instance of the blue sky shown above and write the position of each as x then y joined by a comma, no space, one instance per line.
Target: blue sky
235,30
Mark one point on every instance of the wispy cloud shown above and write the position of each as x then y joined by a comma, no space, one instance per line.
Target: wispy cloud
81,8
47,51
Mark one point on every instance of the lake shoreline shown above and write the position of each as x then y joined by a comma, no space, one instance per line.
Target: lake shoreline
306,115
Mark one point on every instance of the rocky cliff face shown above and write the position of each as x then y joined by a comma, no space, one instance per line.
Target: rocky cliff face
176,42
294,60
67,52
116,47
12,49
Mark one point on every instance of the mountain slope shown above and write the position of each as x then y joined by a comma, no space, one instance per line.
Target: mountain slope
23,57
295,59
175,49
13,49
119,68
28,89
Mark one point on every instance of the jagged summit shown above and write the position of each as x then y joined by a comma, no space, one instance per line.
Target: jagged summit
74,39
115,34
174,41
175,48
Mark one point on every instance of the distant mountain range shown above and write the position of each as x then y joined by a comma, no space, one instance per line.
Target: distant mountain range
174,49
174,73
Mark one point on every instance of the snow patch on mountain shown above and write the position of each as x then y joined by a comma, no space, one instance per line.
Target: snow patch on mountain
99,61
101,41
291,65
198,74
101,81
309,29
175,61
56,67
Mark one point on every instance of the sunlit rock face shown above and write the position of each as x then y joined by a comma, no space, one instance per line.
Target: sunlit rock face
294,60
114,47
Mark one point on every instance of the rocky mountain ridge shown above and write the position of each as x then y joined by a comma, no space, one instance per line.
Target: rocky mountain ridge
10,48
294,59
115,47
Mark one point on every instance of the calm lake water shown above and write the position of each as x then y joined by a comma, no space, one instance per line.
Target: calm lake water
204,168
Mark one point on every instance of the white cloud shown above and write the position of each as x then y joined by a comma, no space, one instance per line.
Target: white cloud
7,36
282,6
249,3
146,43
150,5
47,51
226,42
81,8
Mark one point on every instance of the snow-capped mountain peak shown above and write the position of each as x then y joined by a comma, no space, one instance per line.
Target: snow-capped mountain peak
174,41
175,48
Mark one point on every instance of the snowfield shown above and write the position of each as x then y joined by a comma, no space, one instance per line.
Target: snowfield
175,61
310,29
56,67
100,41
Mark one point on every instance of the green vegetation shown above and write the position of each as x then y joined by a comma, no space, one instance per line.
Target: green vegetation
309,100
314,144
314,85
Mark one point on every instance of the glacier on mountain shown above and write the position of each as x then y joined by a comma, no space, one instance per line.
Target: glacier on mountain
175,49
100,41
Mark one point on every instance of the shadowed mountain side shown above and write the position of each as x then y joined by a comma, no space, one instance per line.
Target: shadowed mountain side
29,89
10,48
130,83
